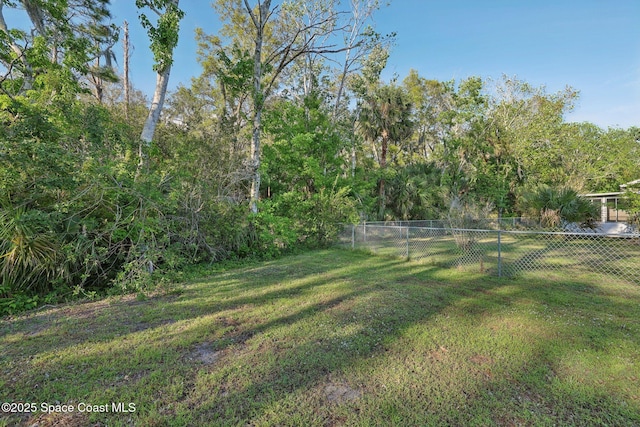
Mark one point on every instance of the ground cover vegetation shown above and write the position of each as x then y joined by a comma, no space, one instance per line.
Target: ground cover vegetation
288,130
333,337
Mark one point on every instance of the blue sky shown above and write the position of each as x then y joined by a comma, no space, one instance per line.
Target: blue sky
591,45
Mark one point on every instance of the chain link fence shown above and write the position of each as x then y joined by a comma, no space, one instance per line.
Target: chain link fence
509,250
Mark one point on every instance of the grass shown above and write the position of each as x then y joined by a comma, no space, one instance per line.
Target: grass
333,338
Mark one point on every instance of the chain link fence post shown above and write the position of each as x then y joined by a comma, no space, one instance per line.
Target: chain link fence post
353,236
500,243
407,246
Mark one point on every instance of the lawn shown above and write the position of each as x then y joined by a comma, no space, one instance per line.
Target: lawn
331,338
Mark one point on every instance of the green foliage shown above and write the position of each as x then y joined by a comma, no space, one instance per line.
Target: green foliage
163,35
305,154
29,250
275,234
631,203
554,207
414,192
315,219
65,37
303,169
15,302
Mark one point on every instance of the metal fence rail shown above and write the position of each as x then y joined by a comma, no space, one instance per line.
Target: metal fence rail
503,224
505,253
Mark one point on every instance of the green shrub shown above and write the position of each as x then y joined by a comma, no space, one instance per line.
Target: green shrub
15,302
29,251
314,220
275,234
555,206
631,203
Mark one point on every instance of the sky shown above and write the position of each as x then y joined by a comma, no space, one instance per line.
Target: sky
591,45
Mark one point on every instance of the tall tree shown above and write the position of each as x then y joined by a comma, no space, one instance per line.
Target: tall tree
360,40
432,101
276,44
384,118
125,81
259,22
526,131
226,85
164,39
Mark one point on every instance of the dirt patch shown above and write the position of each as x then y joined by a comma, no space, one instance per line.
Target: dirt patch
206,354
479,359
483,364
228,321
438,355
62,419
340,393
143,326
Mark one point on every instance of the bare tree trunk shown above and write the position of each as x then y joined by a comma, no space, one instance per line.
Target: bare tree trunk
259,22
162,81
343,79
98,83
383,166
34,11
125,42
288,51
149,129
255,162
163,69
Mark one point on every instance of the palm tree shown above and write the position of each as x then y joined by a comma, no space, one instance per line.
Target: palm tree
553,206
415,192
384,117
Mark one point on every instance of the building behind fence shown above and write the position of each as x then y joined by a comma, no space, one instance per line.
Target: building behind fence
505,248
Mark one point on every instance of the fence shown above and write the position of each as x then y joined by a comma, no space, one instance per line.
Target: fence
504,252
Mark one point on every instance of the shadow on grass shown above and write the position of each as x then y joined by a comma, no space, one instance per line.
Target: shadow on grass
286,330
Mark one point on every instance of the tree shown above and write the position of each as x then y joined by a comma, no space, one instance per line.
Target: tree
432,101
276,43
526,124
304,170
126,57
66,39
164,38
360,41
414,192
384,118
302,151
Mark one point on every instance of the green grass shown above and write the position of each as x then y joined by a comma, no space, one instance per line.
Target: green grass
332,338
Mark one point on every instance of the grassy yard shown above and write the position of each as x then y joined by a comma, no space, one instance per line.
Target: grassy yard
333,338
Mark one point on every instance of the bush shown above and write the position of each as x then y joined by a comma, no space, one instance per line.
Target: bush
12,302
274,234
556,207
315,219
631,203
